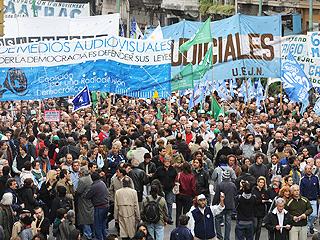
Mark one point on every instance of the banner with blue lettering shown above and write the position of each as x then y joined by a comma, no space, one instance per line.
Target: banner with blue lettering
119,65
243,46
314,44
29,8
297,45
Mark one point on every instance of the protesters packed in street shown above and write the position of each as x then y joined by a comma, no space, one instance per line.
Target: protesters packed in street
131,164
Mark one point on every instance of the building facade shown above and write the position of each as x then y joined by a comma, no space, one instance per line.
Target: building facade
251,7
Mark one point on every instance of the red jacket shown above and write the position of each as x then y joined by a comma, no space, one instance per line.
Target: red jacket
187,184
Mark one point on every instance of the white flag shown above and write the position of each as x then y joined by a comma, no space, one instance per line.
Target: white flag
156,34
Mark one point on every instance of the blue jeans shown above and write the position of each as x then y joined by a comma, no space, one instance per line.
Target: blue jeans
227,224
100,222
169,196
244,231
156,231
312,217
87,231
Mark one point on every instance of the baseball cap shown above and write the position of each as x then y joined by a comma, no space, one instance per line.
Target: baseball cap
201,196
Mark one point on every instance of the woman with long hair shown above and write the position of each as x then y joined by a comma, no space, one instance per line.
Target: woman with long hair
47,191
260,208
144,228
187,190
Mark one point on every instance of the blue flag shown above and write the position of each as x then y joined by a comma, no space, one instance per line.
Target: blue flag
197,95
295,81
316,107
222,90
82,99
133,29
243,91
259,93
121,29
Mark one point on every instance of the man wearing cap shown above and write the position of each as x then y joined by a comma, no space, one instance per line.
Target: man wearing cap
201,220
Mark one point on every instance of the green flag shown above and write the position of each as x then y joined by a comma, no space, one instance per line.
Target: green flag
203,35
159,114
215,108
35,12
204,65
183,80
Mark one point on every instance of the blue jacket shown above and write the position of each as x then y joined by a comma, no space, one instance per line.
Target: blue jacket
181,233
203,224
309,187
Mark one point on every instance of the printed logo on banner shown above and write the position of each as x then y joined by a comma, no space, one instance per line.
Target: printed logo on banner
16,82
123,66
243,46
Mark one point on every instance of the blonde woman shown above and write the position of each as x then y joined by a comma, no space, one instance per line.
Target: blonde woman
47,191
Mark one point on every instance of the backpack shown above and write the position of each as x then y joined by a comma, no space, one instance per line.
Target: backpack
151,211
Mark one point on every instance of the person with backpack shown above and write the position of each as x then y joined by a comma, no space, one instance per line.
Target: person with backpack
126,209
155,213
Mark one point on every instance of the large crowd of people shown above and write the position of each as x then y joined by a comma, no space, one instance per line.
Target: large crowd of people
127,164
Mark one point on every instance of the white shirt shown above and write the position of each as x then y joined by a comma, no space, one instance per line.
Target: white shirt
216,209
280,216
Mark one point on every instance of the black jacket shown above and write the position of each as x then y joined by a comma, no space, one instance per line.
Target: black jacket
202,181
230,191
245,177
27,197
271,221
260,207
166,177
139,178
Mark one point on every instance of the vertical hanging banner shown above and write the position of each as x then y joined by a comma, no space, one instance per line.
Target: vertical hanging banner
314,44
297,45
36,29
130,67
27,8
243,46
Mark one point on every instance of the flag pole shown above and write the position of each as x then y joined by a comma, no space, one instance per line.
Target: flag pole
281,92
247,91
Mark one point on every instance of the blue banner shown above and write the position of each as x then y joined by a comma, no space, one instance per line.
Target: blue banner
131,67
295,81
243,46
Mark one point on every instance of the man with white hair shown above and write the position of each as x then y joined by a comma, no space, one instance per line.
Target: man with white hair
278,221
6,214
299,208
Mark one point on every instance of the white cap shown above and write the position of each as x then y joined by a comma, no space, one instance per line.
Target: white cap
201,196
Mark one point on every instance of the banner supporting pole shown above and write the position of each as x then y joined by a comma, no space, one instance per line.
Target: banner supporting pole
260,8
310,15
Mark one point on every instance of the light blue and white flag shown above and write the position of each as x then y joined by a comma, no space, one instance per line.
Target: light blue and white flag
82,99
259,93
197,95
295,81
222,90
316,107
